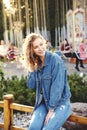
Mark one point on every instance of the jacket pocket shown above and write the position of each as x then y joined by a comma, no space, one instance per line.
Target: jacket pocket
47,78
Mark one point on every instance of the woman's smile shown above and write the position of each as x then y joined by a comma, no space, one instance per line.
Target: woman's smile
39,47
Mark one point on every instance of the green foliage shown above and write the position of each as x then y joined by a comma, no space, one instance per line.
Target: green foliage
17,87
78,87
24,95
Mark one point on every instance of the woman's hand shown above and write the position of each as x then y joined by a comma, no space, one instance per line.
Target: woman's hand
32,67
49,115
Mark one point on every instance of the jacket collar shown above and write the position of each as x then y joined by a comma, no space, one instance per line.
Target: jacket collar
46,62
47,58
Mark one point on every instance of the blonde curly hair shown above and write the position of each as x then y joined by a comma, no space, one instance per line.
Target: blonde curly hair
31,60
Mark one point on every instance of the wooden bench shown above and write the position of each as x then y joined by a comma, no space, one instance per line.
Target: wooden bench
8,107
78,119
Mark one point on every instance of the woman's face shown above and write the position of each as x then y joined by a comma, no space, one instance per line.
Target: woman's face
39,47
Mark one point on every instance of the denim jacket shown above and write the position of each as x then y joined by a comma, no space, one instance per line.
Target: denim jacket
53,80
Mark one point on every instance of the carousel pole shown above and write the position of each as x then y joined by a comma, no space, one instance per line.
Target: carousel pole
19,26
27,17
5,23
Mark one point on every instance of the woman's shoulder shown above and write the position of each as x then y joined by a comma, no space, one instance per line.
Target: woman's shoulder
54,56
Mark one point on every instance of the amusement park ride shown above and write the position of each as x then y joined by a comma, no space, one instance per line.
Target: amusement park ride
77,25
20,18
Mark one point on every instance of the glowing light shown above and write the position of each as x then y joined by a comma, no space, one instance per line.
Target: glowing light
7,3
81,74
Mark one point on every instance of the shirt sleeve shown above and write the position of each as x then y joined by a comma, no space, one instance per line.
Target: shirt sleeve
58,80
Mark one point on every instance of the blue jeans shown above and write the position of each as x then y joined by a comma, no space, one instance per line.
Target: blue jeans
59,117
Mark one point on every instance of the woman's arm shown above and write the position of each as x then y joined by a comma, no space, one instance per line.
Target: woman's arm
31,80
59,81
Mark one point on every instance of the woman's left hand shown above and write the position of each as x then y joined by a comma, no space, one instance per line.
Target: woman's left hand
49,115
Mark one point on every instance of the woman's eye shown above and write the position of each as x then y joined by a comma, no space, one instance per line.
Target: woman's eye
35,47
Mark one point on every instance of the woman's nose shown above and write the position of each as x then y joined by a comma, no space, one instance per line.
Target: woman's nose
40,47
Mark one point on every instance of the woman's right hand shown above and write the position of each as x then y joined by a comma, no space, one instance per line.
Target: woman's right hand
49,115
32,68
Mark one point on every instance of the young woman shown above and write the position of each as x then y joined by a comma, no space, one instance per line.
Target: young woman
47,74
81,55
66,49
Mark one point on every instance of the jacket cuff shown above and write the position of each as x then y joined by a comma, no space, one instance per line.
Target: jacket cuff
51,110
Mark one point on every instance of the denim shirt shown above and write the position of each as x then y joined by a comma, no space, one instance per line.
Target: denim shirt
53,80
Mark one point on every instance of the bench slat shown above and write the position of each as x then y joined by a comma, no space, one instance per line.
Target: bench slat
78,119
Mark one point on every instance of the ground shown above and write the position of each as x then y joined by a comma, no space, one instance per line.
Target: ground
13,69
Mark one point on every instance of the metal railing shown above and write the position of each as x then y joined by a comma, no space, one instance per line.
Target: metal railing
9,107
